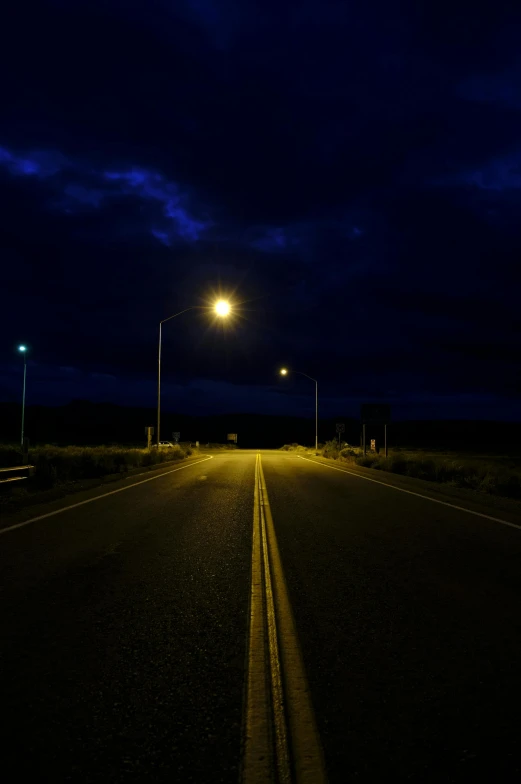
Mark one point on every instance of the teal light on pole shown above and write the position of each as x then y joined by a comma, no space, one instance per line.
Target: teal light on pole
23,350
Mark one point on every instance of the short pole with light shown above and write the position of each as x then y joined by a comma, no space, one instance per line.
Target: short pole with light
284,372
222,308
23,351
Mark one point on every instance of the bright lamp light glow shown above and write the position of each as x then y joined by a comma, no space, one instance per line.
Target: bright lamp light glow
284,372
222,308
22,348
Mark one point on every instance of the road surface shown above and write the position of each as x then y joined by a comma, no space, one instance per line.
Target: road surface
261,617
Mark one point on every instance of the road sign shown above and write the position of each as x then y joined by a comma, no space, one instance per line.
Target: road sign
232,437
375,413
149,430
176,437
340,427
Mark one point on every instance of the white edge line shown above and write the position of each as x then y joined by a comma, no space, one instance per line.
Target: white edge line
97,497
411,492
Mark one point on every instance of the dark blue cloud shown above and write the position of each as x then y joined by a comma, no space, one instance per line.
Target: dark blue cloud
349,173
37,163
80,187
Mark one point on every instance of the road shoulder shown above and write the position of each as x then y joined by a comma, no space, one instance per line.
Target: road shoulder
494,506
46,502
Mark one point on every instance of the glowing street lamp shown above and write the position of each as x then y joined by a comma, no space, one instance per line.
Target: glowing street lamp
284,372
23,350
222,308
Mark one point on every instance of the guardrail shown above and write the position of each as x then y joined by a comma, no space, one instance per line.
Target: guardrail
19,474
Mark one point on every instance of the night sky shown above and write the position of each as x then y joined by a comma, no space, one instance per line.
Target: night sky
348,174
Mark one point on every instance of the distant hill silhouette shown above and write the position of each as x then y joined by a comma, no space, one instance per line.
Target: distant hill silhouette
83,422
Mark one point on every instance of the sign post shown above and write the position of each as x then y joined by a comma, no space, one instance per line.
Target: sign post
340,428
149,432
375,414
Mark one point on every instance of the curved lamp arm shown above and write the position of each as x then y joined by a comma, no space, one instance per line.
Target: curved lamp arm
300,373
192,307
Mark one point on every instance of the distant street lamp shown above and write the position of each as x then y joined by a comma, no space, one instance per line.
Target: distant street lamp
284,372
222,308
23,351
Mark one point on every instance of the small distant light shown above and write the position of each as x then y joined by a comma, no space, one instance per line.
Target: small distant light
284,372
222,308
22,348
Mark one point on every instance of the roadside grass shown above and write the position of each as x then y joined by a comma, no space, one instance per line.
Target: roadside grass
496,475
486,476
217,447
55,465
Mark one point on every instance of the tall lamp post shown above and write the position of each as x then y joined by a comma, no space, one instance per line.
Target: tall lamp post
23,351
221,308
284,372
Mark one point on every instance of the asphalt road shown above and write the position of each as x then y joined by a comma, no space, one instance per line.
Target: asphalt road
126,627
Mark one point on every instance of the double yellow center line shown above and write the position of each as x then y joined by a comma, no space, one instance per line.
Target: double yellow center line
282,743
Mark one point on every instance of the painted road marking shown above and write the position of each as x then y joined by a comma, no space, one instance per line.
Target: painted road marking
282,742
257,762
308,757
418,495
277,692
98,497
